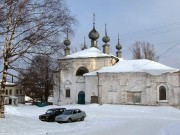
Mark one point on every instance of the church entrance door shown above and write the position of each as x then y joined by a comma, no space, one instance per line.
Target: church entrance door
81,97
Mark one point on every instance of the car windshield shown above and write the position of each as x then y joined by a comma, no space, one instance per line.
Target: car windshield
68,112
50,111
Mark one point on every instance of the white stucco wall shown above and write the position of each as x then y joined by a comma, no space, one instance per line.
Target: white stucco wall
91,87
114,88
66,77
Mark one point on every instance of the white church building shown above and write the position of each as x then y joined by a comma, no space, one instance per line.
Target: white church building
95,76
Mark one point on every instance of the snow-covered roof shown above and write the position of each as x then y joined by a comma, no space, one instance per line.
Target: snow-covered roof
90,52
8,83
141,65
12,97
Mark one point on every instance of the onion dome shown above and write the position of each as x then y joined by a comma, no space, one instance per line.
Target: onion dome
93,35
105,38
67,42
118,46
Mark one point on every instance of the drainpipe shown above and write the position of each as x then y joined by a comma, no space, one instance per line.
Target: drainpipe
179,88
99,98
59,98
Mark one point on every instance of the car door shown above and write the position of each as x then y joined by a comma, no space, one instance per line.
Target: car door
74,115
78,114
57,112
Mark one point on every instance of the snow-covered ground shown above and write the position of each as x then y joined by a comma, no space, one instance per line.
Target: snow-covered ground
100,120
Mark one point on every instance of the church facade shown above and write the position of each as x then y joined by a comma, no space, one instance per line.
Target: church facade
93,76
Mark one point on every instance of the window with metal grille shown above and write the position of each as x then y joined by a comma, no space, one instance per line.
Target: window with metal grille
67,92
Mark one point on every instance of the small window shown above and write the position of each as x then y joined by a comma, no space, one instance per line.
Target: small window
81,71
20,91
10,92
6,92
17,92
67,92
162,93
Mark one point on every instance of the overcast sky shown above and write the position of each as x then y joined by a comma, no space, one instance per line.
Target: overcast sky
154,21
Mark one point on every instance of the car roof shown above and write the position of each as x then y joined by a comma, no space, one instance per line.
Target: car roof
73,109
56,108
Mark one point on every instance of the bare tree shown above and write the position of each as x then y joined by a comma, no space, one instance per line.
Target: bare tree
29,27
38,78
143,50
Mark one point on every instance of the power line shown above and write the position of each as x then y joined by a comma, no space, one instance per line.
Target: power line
159,55
146,32
169,49
152,28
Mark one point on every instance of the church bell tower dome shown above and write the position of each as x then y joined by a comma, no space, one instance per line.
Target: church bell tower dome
118,46
93,34
105,39
67,42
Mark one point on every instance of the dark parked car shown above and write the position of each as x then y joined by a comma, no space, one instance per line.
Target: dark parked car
71,115
51,114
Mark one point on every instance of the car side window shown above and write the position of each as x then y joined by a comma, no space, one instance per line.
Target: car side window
57,111
78,111
61,110
74,112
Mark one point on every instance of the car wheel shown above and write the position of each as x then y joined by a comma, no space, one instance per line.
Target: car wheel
82,119
51,120
69,120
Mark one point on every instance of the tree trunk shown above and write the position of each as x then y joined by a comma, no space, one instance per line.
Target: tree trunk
2,115
46,94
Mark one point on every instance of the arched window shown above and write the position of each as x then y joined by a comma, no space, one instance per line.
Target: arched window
81,71
162,93
68,92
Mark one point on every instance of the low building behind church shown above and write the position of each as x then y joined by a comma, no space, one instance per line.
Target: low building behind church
14,94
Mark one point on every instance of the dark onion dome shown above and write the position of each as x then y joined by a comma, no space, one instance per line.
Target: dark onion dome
118,46
105,39
67,42
93,35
